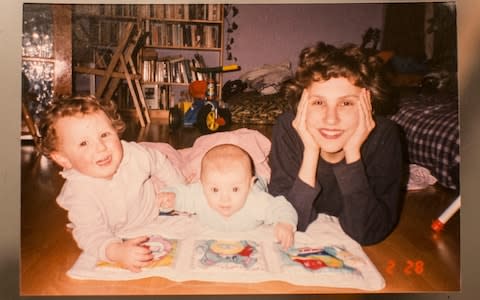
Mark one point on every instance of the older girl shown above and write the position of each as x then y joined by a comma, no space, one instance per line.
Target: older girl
332,155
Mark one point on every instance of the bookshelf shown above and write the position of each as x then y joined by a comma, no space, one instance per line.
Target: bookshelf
180,37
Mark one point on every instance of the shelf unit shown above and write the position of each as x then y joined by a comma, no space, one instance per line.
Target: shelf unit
180,37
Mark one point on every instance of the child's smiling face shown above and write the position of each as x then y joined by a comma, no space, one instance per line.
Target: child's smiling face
89,144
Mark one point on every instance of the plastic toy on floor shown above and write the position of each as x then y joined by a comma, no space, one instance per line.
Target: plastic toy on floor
206,111
439,223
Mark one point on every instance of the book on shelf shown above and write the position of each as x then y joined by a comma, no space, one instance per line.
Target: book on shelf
184,35
164,97
194,38
174,11
214,12
173,69
157,11
179,11
142,11
151,95
200,61
149,54
157,96
169,12
198,12
187,71
187,36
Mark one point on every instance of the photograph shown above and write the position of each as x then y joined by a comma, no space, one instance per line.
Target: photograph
342,120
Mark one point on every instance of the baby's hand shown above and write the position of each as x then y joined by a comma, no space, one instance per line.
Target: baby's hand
166,201
131,254
284,234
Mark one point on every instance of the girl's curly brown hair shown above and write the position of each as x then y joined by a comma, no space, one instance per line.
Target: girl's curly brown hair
72,106
323,61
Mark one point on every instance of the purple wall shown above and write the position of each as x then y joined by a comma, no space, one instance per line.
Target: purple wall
275,33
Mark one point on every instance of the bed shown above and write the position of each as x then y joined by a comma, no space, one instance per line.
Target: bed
431,130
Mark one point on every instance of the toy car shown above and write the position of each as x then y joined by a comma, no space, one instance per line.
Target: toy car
206,111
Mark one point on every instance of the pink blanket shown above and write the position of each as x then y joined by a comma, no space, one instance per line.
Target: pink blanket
188,160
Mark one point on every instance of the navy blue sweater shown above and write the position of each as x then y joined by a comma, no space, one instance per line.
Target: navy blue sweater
366,195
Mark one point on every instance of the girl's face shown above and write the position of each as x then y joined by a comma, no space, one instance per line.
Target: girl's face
226,190
332,115
88,144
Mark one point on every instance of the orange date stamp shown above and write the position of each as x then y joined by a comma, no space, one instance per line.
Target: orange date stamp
409,267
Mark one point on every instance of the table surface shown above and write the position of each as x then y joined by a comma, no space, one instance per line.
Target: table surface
412,259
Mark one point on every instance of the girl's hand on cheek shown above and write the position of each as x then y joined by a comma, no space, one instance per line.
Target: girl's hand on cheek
301,126
364,127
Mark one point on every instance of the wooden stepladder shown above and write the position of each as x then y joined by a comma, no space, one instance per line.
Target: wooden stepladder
132,39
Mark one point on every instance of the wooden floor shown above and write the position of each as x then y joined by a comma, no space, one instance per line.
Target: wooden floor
412,259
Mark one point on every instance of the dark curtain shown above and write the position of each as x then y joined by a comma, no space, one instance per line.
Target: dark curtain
444,26
404,30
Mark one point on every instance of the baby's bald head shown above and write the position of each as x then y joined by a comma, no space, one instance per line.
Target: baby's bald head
224,157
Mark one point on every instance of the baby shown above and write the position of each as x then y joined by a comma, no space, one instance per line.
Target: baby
226,198
108,187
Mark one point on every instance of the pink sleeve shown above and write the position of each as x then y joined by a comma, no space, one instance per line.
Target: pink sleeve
90,230
168,164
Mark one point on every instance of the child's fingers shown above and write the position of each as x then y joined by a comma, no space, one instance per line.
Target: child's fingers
366,110
301,108
142,249
367,100
134,269
138,265
142,256
139,240
145,257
